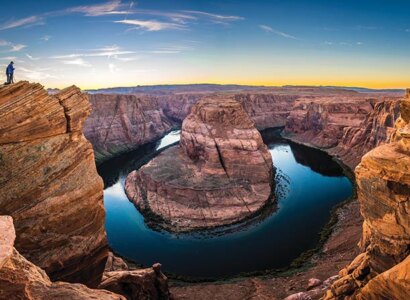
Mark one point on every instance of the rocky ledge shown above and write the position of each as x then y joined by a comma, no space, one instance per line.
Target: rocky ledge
21,279
49,183
381,271
221,173
50,187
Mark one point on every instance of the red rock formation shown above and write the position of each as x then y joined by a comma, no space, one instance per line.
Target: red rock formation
383,178
120,123
149,283
220,174
49,183
267,110
178,106
21,279
346,124
346,127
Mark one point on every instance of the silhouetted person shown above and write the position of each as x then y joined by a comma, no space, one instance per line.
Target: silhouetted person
10,73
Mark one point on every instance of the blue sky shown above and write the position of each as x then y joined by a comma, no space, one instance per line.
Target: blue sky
123,43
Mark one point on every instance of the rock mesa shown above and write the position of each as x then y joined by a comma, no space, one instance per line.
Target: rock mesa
221,173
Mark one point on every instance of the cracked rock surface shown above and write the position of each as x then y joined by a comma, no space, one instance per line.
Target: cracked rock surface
49,183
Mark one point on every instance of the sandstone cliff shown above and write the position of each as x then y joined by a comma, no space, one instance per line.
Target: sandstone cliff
220,174
346,127
265,109
21,279
49,183
383,178
120,123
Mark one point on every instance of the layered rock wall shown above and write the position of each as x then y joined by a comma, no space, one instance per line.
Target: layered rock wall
346,127
383,178
21,279
120,123
49,183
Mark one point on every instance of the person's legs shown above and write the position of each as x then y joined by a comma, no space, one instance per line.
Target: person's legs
8,78
11,78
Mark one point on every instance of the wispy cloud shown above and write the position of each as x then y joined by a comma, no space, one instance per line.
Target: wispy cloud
172,49
164,20
216,18
111,51
45,38
13,47
269,29
151,25
93,54
29,21
328,43
35,74
77,62
126,59
8,58
365,27
178,17
108,8
32,57
17,47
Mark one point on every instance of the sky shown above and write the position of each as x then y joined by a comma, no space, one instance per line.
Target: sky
99,44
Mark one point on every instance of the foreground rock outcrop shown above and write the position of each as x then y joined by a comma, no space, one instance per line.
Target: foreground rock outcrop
21,279
49,183
220,174
120,123
383,178
149,283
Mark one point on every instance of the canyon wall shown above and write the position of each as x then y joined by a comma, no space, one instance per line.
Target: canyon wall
49,183
381,271
120,123
345,127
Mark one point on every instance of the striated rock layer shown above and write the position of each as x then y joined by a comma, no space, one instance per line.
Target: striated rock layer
346,127
383,178
220,174
346,124
49,183
21,279
120,123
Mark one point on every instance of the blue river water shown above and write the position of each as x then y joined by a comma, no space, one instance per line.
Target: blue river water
308,184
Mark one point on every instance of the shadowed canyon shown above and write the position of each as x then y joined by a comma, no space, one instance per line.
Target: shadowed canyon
99,188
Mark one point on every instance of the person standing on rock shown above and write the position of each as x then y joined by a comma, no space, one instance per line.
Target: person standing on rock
10,73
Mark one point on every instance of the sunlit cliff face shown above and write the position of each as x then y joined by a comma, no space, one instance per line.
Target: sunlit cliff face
124,43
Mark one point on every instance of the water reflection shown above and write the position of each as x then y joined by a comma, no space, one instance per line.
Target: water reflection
308,183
